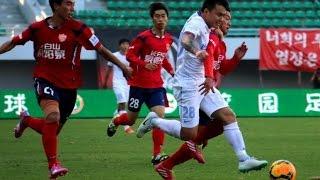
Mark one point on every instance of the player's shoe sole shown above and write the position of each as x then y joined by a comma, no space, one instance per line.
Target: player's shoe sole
21,126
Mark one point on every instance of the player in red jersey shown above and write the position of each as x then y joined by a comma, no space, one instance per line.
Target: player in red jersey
57,73
208,128
147,55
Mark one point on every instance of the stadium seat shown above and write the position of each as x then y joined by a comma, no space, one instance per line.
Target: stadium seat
258,14
269,14
311,14
174,14
289,14
98,22
112,4
245,13
254,5
275,5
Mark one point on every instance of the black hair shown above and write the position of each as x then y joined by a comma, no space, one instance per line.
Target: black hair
211,4
51,2
157,6
123,40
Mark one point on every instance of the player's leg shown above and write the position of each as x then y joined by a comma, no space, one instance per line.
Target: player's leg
67,102
48,98
155,100
234,136
215,106
207,129
27,121
121,92
188,100
136,99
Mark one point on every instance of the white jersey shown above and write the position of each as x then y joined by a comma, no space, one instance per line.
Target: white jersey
191,68
118,78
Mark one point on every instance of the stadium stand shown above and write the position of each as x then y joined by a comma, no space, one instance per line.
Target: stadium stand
10,17
248,15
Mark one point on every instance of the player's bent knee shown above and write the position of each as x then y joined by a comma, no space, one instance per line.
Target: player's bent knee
53,117
51,110
226,115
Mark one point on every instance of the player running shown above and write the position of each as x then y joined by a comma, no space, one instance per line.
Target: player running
57,75
147,55
211,127
119,82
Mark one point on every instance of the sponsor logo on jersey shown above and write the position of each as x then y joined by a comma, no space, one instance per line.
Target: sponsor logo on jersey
155,57
51,51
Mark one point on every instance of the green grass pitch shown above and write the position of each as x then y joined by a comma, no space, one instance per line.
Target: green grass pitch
89,154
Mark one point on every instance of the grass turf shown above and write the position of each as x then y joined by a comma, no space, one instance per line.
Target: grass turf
89,154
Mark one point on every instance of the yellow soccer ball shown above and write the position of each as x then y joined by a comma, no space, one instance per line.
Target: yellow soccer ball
282,169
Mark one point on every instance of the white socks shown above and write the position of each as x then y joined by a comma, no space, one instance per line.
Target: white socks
170,127
122,112
234,137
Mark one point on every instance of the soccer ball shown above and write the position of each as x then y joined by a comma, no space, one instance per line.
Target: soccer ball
282,169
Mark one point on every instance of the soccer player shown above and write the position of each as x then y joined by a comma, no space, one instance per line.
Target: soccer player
57,75
119,83
147,54
192,75
210,127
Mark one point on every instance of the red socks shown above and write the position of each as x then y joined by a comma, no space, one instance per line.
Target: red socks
122,120
158,139
49,141
180,156
183,154
35,123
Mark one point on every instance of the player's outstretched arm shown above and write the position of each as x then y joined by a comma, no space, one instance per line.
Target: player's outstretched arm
7,46
107,54
188,42
228,66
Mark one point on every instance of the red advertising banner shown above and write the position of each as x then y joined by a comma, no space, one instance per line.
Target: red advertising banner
289,50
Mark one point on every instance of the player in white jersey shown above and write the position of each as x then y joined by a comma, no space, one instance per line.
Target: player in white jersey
119,83
190,78
193,92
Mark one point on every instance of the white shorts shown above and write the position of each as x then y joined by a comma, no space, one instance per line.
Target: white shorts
189,99
213,102
122,93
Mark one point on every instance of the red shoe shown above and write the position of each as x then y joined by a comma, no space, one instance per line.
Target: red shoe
21,126
196,152
165,173
57,170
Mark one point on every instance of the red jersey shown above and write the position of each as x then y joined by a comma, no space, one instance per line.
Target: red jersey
57,50
149,48
221,66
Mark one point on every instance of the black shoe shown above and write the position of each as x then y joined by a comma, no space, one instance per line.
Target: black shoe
159,158
111,129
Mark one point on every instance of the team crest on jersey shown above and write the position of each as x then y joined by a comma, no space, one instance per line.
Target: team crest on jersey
62,37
